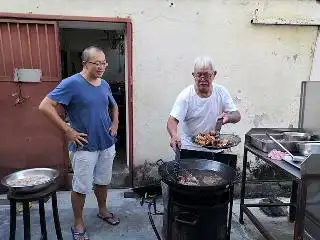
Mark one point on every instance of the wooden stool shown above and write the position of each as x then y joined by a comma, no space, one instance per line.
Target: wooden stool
29,197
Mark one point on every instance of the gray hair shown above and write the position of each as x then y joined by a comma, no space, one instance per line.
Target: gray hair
87,51
203,62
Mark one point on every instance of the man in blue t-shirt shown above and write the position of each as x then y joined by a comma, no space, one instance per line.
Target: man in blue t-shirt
86,98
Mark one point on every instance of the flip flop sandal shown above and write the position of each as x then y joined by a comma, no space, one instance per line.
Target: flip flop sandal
110,220
79,235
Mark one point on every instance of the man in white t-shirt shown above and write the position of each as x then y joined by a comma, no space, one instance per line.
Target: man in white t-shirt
198,107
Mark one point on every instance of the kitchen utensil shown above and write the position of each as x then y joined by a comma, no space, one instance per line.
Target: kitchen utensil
297,159
280,145
294,158
218,127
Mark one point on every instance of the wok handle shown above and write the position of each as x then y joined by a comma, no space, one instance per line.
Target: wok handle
191,221
159,162
218,126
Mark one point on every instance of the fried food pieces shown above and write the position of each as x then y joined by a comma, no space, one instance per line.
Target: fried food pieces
210,140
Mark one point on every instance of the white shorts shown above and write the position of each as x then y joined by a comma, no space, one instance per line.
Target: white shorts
91,168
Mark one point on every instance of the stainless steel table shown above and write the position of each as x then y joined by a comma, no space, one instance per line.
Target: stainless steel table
294,214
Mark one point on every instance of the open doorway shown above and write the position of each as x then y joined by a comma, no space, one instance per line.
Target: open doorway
74,37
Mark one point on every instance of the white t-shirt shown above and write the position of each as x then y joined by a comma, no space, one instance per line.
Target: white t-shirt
198,115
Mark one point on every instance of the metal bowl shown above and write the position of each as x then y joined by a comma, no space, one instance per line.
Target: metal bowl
52,174
308,148
296,136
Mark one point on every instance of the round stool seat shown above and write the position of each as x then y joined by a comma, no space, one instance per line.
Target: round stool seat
41,197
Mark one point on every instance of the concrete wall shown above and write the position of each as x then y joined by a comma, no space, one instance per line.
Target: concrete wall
262,66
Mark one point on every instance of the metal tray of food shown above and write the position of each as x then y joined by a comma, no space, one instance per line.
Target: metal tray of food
265,144
224,141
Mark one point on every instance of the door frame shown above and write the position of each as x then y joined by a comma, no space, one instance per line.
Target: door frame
129,68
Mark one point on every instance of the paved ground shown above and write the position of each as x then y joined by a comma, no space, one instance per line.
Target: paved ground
134,220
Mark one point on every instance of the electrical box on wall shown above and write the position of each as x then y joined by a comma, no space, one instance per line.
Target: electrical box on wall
27,75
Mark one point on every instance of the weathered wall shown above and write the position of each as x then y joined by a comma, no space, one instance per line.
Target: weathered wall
262,66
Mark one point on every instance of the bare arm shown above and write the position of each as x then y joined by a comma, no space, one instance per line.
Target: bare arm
48,108
115,120
115,115
172,127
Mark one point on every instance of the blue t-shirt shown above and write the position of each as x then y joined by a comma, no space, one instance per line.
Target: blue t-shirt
87,109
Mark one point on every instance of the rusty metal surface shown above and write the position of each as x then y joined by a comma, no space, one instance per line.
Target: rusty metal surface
31,45
28,139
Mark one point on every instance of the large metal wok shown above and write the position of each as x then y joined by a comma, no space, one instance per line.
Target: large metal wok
167,172
49,173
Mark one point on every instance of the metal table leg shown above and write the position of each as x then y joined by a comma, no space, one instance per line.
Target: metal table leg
293,200
26,220
300,212
42,219
56,216
13,212
243,184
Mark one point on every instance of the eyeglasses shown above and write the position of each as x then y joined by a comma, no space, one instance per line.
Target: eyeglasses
98,64
204,74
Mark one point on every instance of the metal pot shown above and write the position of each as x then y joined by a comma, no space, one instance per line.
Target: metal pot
52,174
